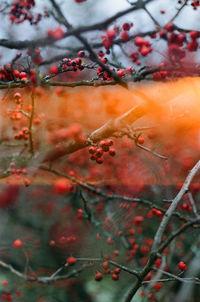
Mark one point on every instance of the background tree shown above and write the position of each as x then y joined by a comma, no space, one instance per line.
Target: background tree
99,176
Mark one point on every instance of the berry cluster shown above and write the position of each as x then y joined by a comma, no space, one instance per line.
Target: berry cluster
97,152
21,11
114,274
35,55
7,74
19,173
69,64
111,34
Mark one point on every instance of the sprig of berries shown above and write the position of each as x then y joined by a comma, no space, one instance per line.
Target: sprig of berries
97,152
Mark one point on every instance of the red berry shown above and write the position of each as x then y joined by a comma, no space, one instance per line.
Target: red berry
182,266
124,36
169,27
126,26
4,282
16,73
101,53
61,186
52,243
194,34
81,53
27,182
71,260
98,277
138,219
54,69
22,75
17,243
99,152
115,277
112,152
140,140
99,160
117,270
121,73
105,265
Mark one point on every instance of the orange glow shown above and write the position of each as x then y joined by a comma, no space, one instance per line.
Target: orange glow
65,114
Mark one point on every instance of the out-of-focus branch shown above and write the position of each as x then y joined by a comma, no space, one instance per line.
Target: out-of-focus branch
107,130
173,206
179,10
48,41
98,191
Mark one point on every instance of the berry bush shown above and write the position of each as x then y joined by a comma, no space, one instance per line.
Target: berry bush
99,151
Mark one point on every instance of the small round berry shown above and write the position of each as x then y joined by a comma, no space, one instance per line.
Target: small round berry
17,243
105,265
101,53
116,252
126,26
109,142
27,182
99,152
112,152
4,282
81,53
115,277
52,243
98,277
92,150
71,260
102,143
182,266
99,160
61,186
117,270
140,140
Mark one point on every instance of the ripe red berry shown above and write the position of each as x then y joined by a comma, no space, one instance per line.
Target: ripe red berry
112,152
54,69
100,53
115,277
105,265
17,243
121,73
99,160
138,219
140,140
4,282
117,270
16,73
93,157
71,260
22,75
98,277
27,182
92,150
61,186
182,266
126,26
81,53
99,152
124,36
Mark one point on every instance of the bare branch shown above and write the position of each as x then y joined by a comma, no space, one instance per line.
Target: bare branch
173,206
